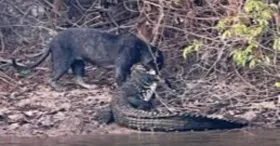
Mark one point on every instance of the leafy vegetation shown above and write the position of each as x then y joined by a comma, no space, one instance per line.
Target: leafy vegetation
247,31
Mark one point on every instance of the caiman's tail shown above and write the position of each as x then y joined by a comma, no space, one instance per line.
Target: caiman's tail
146,121
38,62
206,123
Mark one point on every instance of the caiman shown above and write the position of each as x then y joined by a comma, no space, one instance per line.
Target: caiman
140,86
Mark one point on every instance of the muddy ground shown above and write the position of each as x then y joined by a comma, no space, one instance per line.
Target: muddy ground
32,108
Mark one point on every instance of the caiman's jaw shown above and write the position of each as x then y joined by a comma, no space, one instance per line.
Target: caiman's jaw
138,67
149,93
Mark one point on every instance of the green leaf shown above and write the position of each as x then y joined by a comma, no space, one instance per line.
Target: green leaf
187,51
258,5
276,44
257,31
240,29
277,84
266,15
243,62
264,23
273,6
248,7
267,59
221,24
226,34
252,63
195,46
250,48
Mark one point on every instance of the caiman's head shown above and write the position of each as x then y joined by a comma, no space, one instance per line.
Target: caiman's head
146,80
148,75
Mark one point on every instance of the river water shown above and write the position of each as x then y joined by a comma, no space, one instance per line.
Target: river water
268,137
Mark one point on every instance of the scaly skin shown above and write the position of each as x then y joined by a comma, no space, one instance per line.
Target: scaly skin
126,115
130,117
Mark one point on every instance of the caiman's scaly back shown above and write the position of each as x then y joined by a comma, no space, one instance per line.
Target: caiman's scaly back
126,115
142,82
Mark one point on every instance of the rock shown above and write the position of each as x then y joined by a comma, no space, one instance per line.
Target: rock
59,116
250,115
3,118
14,126
103,114
30,113
34,11
16,117
37,11
46,121
10,10
41,10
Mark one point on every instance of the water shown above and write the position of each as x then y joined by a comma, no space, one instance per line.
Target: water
269,137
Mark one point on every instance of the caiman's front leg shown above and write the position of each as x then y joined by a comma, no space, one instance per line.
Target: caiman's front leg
138,103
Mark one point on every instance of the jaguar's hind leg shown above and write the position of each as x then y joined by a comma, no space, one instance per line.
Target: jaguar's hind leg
55,86
55,77
78,68
60,65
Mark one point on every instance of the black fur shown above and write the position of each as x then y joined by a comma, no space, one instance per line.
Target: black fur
78,68
72,47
